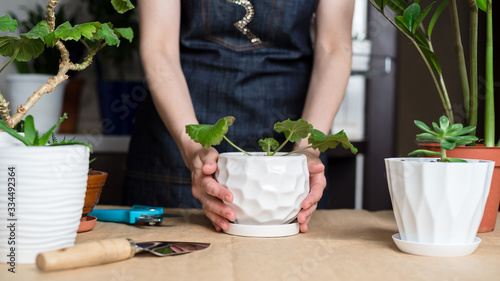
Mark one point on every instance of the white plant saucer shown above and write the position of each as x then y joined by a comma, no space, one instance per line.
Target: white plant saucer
263,230
436,250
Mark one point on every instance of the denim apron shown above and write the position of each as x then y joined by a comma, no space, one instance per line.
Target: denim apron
248,59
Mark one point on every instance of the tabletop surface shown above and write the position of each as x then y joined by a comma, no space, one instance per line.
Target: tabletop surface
340,245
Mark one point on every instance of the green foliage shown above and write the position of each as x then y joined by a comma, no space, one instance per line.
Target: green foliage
31,44
32,138
482,5
210,135
447,135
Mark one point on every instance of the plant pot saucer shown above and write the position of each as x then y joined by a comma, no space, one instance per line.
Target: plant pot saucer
436,250
87,223
263,230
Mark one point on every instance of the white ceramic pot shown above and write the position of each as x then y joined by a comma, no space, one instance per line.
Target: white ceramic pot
267,190
47,110
438,203
42,192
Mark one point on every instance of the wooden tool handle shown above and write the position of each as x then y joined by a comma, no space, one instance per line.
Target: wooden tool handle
86,254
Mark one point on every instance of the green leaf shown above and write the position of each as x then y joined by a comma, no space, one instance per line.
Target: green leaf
28,48
437,129
463,140
268,144
294,130
7,23
382,3
421,125
432,58
46,137
400,21
426,137
423,152
435,17
209,135
121,6
410,16
397,6
71,142
482,5
456,160
108,35
87,30
39,31
126,33
421,17
448,145
444,122
455,130
322,142
13,133
30,132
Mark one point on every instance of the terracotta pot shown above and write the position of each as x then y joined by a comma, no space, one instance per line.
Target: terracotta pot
484,153
95,183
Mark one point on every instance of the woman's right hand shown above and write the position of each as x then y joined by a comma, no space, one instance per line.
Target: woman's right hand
208,191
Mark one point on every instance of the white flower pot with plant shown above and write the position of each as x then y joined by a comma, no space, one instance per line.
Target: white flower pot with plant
438,203
42,191
268,187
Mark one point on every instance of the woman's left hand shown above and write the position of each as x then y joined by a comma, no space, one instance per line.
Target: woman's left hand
317,183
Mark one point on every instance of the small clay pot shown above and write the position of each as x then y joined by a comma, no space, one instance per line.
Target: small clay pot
95,183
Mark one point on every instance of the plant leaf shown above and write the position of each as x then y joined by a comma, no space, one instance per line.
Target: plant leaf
322,142
30,132
421,17
126,33
400,21
108,35
435,17
426,137
444,122
209,135
482,5
432,58
382,3
28,48
448,145
39,31
13,132
7,23
456,160
423,152
72,142
268,144
46,137
410,16
294,130
121,6
422,126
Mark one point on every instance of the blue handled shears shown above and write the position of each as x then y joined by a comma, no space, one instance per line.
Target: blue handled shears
138,214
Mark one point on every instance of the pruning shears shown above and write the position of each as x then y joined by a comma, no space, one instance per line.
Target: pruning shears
138,214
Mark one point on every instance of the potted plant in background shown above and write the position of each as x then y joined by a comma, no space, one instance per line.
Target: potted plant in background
409,20
268,187
439,203
22,192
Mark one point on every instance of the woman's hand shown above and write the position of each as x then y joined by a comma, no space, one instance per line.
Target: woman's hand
317,183
206,189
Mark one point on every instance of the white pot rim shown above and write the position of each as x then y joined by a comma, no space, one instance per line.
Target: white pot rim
431,160
261,155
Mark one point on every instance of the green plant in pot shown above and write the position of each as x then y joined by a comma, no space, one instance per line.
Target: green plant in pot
268,186
45,180
439,203
417,23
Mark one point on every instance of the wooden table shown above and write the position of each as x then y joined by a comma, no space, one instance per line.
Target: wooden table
340,245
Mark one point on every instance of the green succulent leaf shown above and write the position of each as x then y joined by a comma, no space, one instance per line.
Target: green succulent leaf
30,132
294,130
437,129
121,6
444,122
448,145
435,17
427,137
482,5
423,152
106,32
322,142
7,23
455,160
14,133
44,139
210,135
268,144
422,126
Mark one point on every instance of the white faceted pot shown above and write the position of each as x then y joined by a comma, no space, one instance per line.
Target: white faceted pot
438,203
267,190
42,192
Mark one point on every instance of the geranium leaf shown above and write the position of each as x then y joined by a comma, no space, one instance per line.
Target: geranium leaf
210,135
126,33
322,142
294,130
39,31
28,48
268,144
7,23
121,6
108,35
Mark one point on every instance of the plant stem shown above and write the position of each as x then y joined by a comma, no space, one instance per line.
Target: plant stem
298,150
13,56
459,52
489,118
472,105
443,154
281,146
440,86
235,146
